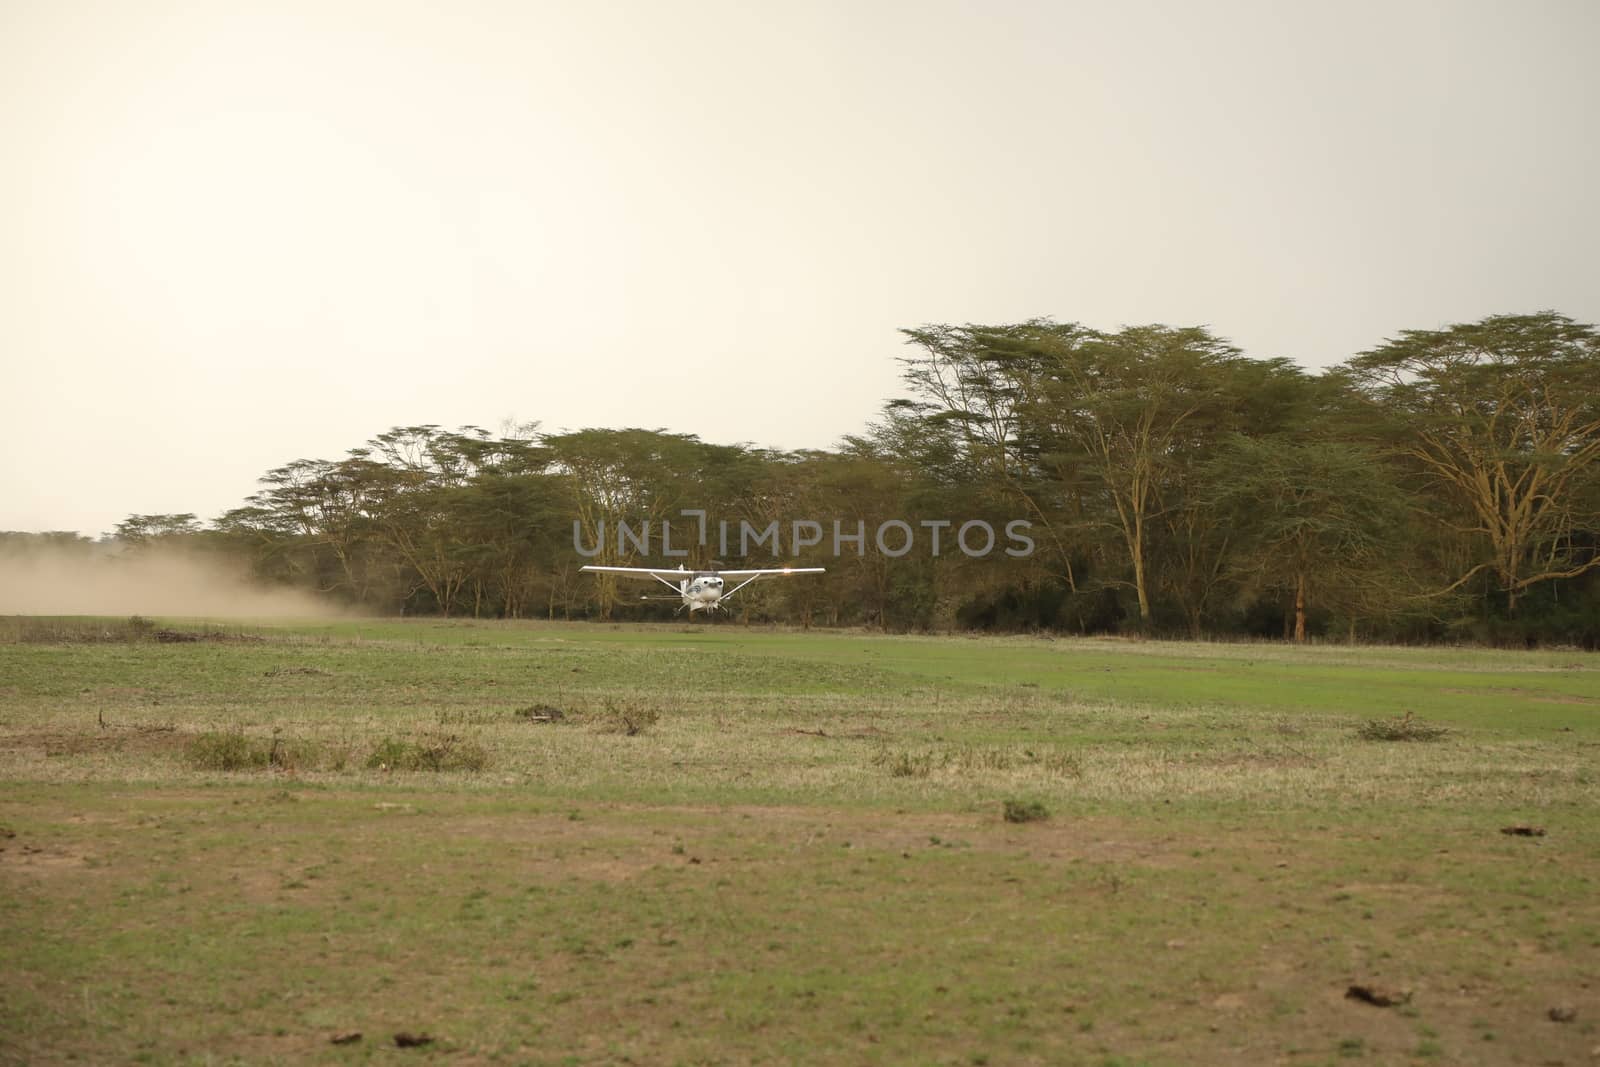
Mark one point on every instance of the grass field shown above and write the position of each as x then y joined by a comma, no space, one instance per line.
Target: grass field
551,844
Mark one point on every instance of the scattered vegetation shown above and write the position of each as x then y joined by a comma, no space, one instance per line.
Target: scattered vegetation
229,751
447,752
974,760
44,630
627,717
727,840
541,713
1024,811
904,764
1406,727
234,750
79,630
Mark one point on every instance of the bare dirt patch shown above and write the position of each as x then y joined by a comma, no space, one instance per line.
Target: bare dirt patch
159,739
40,860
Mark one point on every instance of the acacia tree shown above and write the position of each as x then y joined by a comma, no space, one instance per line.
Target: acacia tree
511,521
423,485
1100,436
1119,409
860,487
955,373
142,529
1316,518
612,476
1502,416
314,509
1254,398
970,426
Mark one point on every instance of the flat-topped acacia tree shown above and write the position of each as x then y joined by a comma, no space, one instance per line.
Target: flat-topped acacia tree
1503,415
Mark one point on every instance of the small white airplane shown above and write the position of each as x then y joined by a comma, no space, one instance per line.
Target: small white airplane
699,590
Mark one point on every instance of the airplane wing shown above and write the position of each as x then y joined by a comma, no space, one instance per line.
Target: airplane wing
750,576
660,574
775,570
670,577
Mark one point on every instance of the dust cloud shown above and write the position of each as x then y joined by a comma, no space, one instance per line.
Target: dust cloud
62,581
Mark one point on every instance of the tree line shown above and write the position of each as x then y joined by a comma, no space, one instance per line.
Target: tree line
1442,486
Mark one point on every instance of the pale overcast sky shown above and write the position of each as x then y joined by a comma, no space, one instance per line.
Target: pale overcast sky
236,234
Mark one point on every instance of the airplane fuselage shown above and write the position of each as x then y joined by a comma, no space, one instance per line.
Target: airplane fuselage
703,592
699,590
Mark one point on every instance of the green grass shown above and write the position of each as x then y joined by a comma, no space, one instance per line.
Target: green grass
736,846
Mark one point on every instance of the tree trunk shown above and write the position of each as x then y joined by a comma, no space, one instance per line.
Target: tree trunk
1300,609
1138,570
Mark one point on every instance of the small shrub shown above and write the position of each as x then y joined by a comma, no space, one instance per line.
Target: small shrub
902,764
972,758
1405,728
230,751
447,753
912,765
234,751
1060,763
1025,811
629,718
541,713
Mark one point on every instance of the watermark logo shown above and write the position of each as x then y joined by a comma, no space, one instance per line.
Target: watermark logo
894,538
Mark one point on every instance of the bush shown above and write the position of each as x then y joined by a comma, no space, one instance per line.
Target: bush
906,764
1405,728
231,751
630,718
541,713
234,751
448,753
1025,811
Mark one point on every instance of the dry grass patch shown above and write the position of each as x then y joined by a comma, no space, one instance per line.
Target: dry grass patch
34,630
446,752
1405,728
135,629
967,761
227,751
628,717
234,750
